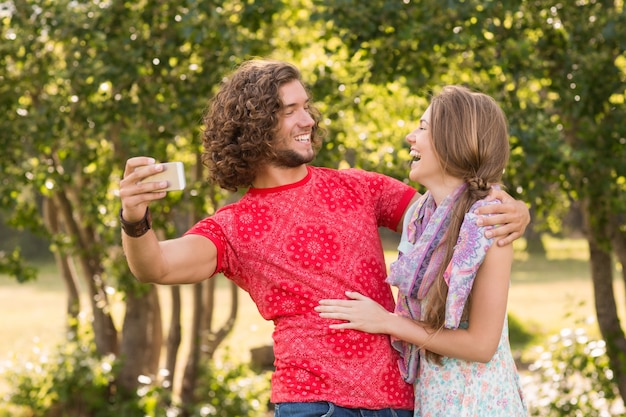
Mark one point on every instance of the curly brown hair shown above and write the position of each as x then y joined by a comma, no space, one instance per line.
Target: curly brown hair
242,120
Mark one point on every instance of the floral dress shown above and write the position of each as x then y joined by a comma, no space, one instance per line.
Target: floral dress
454,388
470,389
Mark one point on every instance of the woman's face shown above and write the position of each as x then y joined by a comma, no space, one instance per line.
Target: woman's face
425,166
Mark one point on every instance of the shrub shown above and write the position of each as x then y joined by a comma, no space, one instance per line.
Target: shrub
519,336
572,378
227,388
74,381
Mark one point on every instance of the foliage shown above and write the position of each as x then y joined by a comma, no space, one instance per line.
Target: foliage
541,60
572,377
87,84
12,264
227,388
519,336
72,380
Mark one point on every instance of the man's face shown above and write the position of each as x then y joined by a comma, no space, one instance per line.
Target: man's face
293,138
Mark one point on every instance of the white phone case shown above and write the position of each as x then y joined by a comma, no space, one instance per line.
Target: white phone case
173,173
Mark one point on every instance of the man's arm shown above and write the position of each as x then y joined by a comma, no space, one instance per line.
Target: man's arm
188,259
510,217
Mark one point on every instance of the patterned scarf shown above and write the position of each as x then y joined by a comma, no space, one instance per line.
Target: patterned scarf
420,259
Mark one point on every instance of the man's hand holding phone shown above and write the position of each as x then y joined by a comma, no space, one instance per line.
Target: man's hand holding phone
145,181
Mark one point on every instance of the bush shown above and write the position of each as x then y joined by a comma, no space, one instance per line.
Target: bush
572,378
74,381
227,389
519,336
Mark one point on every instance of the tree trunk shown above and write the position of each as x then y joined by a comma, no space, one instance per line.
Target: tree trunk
193,360
105,333
618,241
173,338
212,338
606,308
190,376
534,244
64,263
606,311
142,336
208,300
204,341
68,273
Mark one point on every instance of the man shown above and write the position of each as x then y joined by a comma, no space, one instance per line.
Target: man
298,235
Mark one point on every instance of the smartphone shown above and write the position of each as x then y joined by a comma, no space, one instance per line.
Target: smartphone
173,173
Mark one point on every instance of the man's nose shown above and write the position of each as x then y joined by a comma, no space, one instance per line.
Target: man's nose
306,119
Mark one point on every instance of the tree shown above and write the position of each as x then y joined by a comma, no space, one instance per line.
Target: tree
576,44
86,85
568,125
558,70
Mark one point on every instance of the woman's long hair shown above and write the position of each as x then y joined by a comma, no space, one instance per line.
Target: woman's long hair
470,137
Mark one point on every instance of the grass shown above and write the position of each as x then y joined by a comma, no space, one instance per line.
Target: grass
545,296
555,292
34,315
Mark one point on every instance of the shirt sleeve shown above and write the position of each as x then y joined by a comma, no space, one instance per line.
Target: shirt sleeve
391,197
210,229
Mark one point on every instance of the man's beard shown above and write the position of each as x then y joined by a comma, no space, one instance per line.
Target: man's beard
290,159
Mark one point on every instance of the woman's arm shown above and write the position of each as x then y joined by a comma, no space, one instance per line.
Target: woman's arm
477,343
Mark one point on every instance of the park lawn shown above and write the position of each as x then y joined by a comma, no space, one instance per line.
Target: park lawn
545,296
556,292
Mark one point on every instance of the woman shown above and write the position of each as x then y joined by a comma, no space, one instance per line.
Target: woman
450,322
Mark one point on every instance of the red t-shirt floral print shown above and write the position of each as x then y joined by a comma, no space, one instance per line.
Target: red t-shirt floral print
291,246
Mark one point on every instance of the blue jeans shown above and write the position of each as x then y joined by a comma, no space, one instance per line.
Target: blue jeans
328,409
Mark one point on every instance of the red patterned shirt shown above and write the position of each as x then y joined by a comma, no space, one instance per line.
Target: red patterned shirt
291,246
